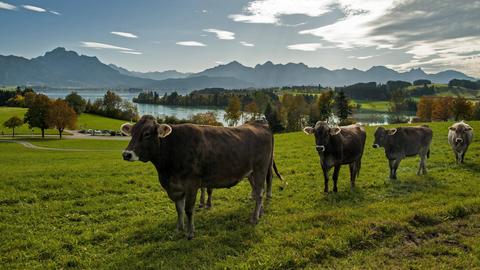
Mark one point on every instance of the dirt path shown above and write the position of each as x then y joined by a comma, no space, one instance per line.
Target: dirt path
32,146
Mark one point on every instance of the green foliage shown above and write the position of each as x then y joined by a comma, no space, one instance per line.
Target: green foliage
112,105
13,122
93,210
233,111
37,113
343,107
77,103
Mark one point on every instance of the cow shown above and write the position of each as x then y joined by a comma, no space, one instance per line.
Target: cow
404,142
338,146
460,135
188,157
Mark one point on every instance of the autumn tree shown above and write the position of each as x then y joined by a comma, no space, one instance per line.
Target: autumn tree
77,103
233,111
252,109
424,108
13,122
61,116
208,118
441,109
461,108
37,113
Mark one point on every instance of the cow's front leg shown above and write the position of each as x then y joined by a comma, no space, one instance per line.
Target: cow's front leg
395,167
209,200
190,198
336,171
391,163
180,206
202,198
325,170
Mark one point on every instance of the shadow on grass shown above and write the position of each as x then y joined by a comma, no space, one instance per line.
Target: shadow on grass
218,236
397,188
473,167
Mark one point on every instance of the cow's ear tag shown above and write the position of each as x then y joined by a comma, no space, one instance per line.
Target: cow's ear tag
392,131
335,131
126,129
164,130
308,130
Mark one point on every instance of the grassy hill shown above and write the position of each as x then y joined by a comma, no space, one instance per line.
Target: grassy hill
85,121
93,210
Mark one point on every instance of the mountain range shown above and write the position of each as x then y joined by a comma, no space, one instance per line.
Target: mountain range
67,69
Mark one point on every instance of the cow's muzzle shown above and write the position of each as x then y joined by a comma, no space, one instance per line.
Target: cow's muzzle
375,146
458,140
320,148
129,155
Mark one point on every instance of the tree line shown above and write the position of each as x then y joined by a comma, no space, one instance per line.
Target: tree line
445,108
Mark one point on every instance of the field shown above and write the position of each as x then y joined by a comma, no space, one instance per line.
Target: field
92,210
85,121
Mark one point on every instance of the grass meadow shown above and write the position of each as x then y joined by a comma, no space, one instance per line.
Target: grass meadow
85,121
92,210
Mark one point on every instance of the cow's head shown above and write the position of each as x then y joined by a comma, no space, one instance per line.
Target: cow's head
460,132
381,135
146,135
323,133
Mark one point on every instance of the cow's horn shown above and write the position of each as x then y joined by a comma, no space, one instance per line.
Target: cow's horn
335,131
164,130
392,131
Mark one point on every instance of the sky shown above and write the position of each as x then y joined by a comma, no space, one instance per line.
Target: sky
190,36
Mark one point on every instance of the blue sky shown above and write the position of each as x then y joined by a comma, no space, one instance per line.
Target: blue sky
193,35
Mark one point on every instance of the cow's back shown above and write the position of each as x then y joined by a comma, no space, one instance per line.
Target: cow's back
409,140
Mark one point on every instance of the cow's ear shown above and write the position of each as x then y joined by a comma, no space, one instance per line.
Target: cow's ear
452,128
126,129
468,128
335,131
309,130
392,131
164,130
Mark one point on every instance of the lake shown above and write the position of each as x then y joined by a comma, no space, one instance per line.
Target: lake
185,112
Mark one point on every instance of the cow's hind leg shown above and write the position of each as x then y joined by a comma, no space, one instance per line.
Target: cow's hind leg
395,167
422,169
190,198
202,198
209,200
336,171
180,206
269,183
257,182
353,174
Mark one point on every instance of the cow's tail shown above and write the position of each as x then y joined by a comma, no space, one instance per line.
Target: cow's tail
276,171
428,153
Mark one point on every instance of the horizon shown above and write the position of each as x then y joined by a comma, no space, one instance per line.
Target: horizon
191,36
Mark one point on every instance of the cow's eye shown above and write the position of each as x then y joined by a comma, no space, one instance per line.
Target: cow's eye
146,135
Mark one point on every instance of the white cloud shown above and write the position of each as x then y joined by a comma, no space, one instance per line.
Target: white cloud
219,62
246,44
362,57
221,34
131,52
191,43
34,8
7,6
270,11
307,47
124,34
204,11
55,12
97,45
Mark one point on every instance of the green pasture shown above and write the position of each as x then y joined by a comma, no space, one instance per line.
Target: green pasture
91,210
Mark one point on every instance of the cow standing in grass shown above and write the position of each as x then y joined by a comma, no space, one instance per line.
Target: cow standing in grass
404,142
188,157
338,146
460,135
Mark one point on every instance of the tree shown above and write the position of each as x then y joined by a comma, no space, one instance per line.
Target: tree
13,122
208,118
422,82
325,105
441,109
61,116
398,104
253,110
272,116
476,111
232,112
343,107
77,103
112,102
424,108
461,108
37,113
